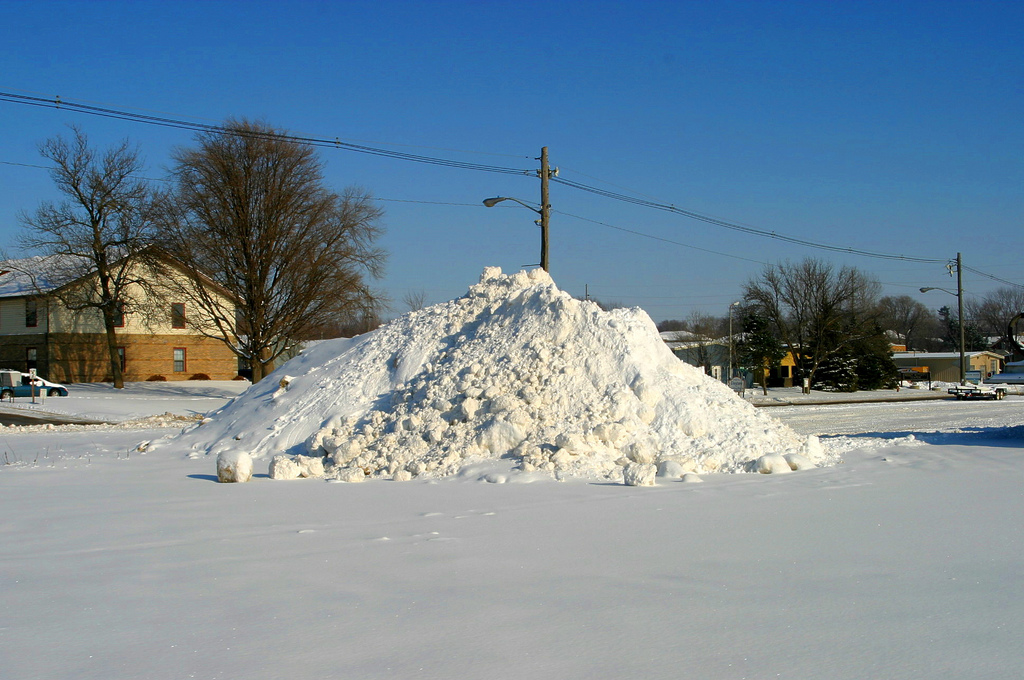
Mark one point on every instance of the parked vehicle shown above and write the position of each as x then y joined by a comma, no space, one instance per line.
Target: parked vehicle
20,384
1013,374
977,392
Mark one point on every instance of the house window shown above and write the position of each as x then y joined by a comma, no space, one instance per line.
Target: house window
120,358
31,313
178,315
119,315
179,359
30,358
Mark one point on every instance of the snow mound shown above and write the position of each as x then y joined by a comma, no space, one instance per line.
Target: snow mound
514,369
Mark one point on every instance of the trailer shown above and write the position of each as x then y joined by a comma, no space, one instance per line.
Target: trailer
977,392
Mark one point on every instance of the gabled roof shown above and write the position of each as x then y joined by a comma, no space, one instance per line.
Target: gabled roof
32,275
45,273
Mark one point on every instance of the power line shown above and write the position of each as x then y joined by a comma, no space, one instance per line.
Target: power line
335,143
990,276
584,219
657,238
739,227
43,167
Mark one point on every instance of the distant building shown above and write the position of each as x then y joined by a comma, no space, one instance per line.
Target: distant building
945,366
37,331
712,356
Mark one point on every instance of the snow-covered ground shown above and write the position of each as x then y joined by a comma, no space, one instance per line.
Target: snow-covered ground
898,556
100,401
904,561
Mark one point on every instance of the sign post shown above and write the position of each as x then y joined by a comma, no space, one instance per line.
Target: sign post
738,385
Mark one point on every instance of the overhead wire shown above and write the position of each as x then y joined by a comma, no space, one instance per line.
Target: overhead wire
990,276
657,238
176,123
739,227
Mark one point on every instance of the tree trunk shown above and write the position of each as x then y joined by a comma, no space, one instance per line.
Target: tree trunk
261,367
115,359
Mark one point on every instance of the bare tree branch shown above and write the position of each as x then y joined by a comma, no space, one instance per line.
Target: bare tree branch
251,208
96,241
816,310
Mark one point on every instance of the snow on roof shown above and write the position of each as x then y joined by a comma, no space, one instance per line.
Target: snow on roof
938,355
516,370
33,275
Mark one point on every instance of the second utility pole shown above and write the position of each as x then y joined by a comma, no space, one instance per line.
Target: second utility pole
545,208
960,314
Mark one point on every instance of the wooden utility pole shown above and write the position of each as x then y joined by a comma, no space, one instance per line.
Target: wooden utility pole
545,208
960,312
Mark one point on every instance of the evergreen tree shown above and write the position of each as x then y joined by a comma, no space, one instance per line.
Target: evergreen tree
865,364
759,350
875,368
838,373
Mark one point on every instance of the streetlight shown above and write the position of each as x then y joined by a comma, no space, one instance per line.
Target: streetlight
730,337
545,206
491,202
959,310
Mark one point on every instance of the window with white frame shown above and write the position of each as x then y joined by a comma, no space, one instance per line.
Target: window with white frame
179,359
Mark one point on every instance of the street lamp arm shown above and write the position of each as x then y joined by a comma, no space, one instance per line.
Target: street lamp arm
491,202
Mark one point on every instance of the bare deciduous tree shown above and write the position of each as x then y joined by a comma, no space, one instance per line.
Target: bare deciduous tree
415,300
817,310
908,318
97,237
992,314
250,208
704,330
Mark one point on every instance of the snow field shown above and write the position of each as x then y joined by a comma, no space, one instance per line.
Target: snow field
903,562
515,370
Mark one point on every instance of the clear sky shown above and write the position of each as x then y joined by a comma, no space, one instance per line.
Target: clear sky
893,126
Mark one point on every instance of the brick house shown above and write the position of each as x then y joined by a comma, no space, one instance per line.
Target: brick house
37,331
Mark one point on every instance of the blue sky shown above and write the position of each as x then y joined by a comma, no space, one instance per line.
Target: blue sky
892,127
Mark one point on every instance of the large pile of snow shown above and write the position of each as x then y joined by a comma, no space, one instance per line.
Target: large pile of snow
515,369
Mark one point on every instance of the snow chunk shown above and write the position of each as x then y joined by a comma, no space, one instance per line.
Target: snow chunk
798,462
671,469
288,467
772,463
639,474
234,466
351,475
283,467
